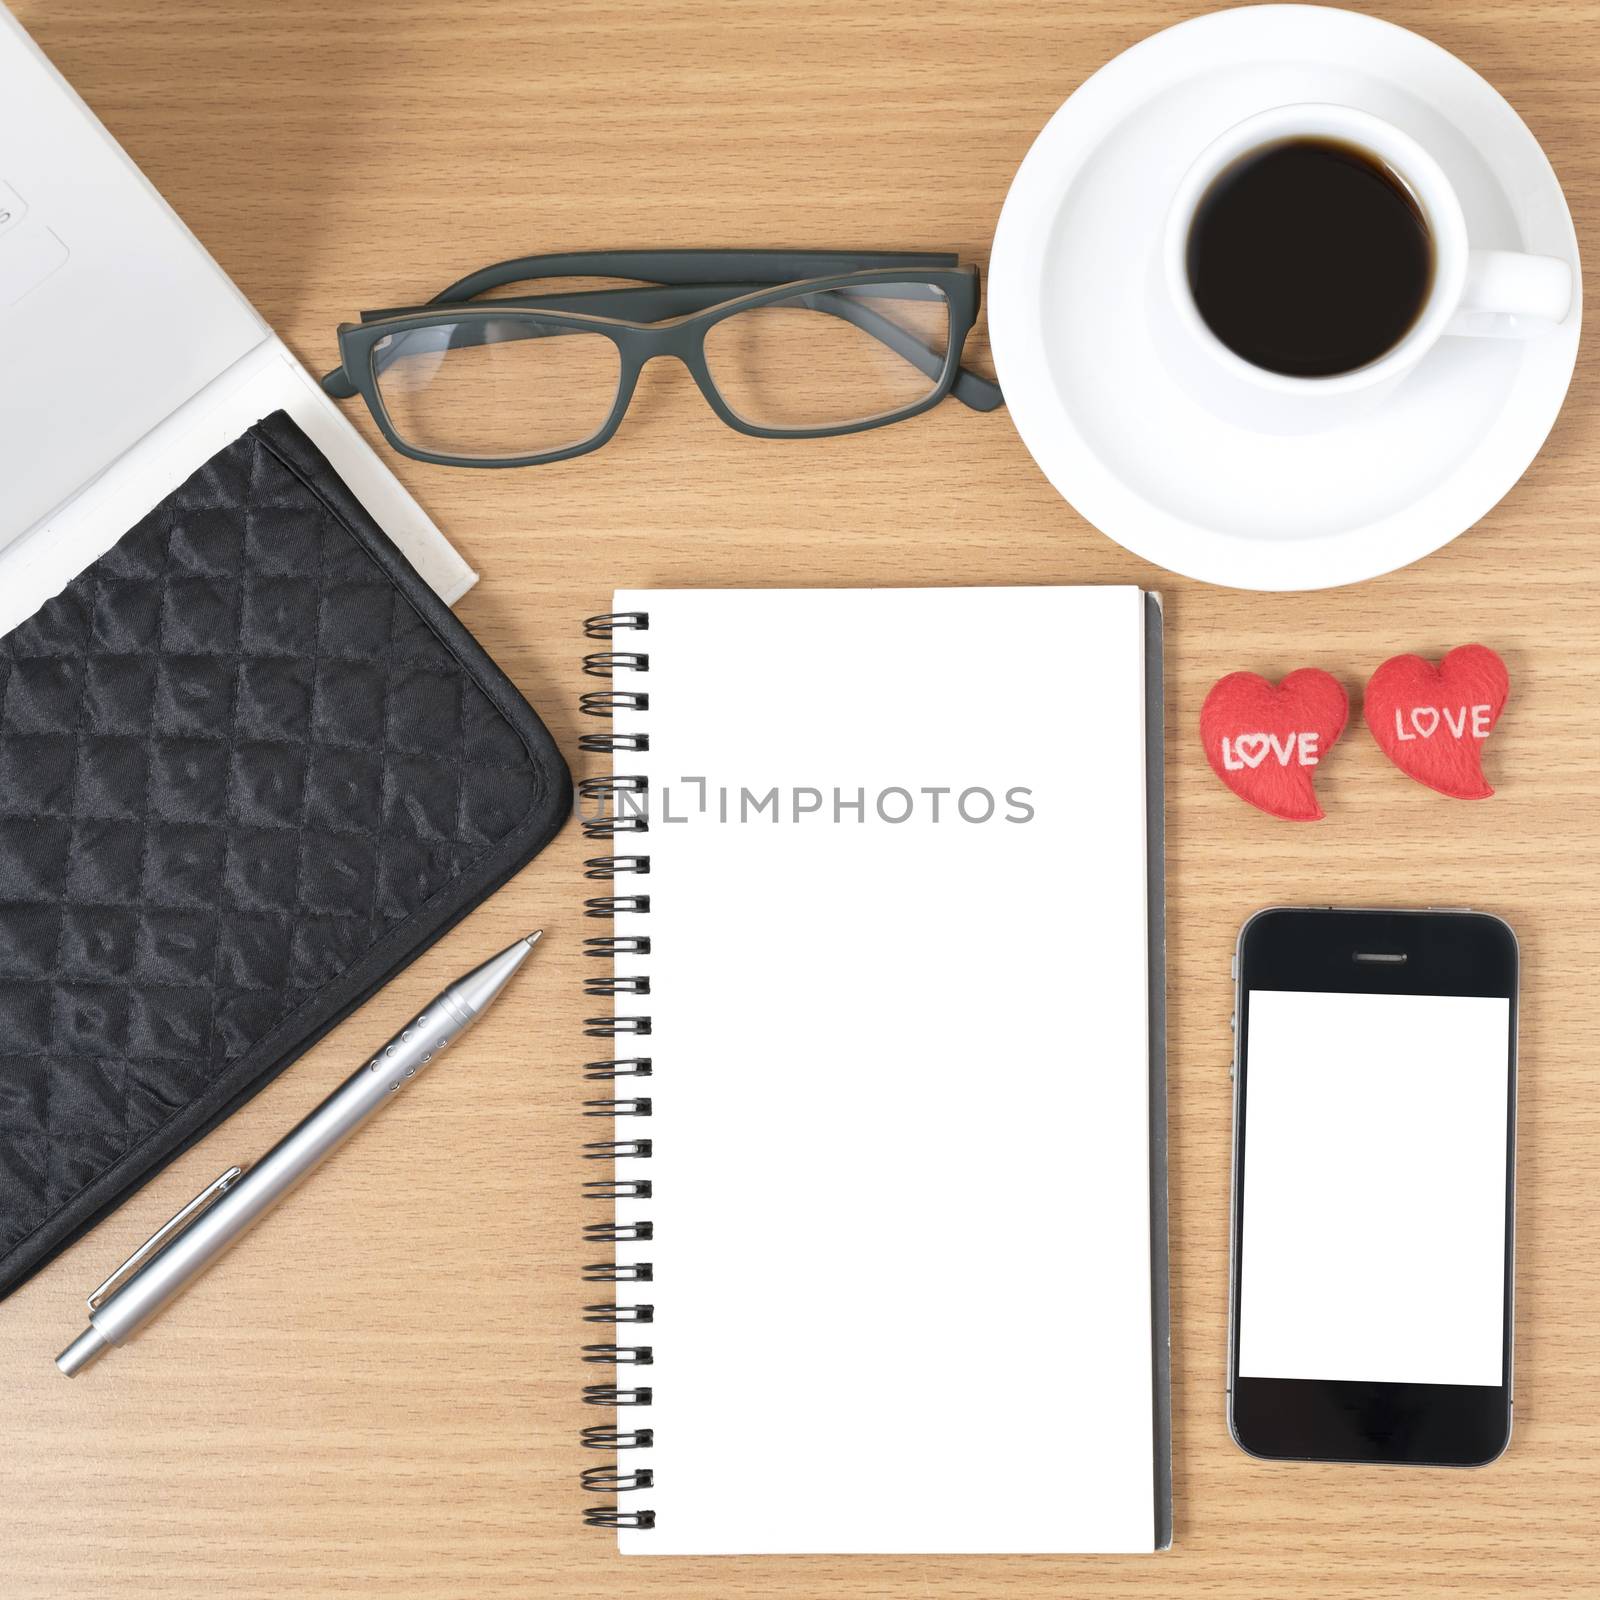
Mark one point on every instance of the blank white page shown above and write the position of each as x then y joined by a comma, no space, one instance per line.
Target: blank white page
900,1089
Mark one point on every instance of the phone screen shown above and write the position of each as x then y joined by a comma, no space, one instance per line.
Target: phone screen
1372,1241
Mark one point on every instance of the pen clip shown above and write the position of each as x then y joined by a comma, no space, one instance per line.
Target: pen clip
168,1230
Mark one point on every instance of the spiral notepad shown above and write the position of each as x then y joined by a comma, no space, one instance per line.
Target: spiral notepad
878,1152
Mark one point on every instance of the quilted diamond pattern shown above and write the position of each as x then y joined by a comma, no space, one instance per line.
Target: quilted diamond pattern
232,755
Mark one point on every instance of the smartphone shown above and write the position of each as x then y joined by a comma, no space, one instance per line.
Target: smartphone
1374,1152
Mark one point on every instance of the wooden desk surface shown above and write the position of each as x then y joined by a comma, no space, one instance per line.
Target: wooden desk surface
379,1394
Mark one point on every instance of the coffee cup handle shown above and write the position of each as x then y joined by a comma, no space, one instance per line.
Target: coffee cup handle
1512,296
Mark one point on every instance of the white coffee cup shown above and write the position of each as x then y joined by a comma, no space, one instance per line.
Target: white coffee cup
1478,293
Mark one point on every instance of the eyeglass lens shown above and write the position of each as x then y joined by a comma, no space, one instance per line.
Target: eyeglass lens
831,357
492,388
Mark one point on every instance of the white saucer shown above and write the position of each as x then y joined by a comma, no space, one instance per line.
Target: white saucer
1097,406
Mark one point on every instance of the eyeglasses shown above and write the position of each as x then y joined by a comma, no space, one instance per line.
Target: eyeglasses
784,344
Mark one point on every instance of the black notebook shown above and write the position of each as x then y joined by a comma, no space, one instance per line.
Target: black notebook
250,766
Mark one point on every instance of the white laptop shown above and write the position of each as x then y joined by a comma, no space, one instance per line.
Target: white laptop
127,356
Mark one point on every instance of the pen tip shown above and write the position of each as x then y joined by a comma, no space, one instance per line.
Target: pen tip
534,937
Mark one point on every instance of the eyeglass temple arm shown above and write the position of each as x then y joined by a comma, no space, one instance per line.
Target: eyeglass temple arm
656,304
687,267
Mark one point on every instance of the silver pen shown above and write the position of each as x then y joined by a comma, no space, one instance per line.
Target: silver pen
222,1213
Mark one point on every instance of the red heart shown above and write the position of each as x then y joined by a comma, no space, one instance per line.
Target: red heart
1432,721
1265,742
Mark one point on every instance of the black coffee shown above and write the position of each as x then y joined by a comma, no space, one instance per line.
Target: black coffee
1309,257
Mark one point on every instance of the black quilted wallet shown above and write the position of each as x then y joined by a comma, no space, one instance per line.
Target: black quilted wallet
250,767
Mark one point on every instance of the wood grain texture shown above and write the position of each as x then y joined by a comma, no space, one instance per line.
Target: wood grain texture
379,1392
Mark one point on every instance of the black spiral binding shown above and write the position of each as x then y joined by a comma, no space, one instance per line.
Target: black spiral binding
618,806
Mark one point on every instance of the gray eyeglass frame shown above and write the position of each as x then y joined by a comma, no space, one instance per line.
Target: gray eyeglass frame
687,293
